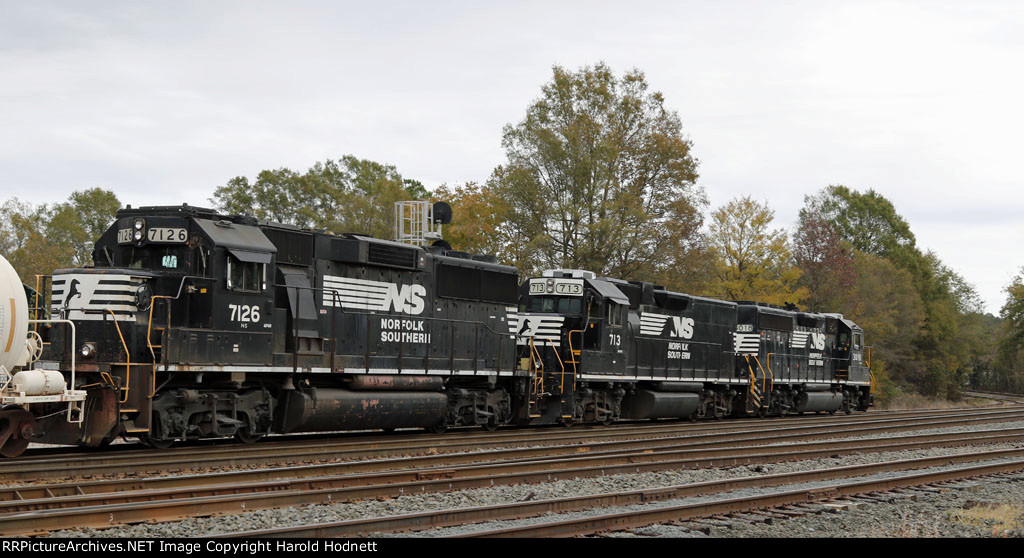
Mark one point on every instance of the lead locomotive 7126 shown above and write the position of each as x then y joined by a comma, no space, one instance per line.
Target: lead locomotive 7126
192,324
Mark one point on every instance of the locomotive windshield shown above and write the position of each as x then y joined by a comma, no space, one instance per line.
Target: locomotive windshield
169,258
553,304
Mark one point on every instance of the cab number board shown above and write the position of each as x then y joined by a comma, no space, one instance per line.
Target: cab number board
157,235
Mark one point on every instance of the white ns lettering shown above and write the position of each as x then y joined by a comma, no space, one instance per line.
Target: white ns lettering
406,298
682,327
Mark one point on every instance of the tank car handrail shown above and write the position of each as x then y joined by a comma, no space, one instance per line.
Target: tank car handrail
74,334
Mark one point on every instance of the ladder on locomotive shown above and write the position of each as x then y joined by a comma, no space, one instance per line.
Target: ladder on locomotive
759,394
536,380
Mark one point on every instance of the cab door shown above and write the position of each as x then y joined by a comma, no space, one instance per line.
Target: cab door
245,309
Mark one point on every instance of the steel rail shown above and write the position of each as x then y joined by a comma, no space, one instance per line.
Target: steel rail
641,518
394,484
375,440
377,459
117,508
518,510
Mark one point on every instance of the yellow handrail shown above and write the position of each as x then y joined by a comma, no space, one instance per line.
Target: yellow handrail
764,377
771,374
753,377
127,356
149,336
572,355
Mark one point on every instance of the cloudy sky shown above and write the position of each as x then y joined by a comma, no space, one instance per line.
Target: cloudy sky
164,101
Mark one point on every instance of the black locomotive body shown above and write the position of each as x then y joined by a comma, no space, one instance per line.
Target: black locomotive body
193,324
616,349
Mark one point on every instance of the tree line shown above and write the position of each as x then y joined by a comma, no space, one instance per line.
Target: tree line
599,175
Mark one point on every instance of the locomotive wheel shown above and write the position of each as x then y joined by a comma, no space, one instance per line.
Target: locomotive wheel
155,443
491,425
15,431
243,435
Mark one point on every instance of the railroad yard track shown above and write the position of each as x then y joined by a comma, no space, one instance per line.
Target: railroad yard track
998,397
381,467
62,465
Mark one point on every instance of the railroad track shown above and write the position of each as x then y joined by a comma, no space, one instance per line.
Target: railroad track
450,449
641,518
105,503
1013,398
634,518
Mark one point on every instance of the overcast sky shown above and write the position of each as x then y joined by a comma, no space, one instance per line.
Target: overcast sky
162,102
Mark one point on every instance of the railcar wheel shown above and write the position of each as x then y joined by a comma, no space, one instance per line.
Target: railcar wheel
156,443
243,435
15,430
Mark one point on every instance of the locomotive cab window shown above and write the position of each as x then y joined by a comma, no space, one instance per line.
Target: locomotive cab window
614,314
246,276
552,304
856,340
157,259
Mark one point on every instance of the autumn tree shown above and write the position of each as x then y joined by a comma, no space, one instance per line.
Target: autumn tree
827,263
599,176
752,260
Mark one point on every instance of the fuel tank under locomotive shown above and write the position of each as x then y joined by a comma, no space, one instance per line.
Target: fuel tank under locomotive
369,402
327,409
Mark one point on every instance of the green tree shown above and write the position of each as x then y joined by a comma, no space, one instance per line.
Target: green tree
346,195
78,222
868,221
946,351
1013,313
599,176
39,239
752,261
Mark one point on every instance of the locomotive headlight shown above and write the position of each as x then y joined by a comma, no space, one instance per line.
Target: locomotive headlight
88,350
139,224
137,235
551,285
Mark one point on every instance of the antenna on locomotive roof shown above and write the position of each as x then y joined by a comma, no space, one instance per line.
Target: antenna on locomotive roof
419,222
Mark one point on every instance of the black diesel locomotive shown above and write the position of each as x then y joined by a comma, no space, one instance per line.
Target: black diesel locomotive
192,324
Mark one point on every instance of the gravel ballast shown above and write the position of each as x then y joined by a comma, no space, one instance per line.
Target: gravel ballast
920,518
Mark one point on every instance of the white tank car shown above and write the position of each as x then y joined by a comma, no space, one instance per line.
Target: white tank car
16,347
13,318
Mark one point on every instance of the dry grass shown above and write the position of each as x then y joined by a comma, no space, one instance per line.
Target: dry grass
908,402
998,517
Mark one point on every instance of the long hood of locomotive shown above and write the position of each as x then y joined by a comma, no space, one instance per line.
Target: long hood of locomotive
81,295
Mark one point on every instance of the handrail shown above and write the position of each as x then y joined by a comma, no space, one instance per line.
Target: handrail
753,377
771,384
74,350
149,333
127,356
572,354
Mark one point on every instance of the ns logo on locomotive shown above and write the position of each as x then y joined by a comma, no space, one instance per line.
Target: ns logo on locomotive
193,324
